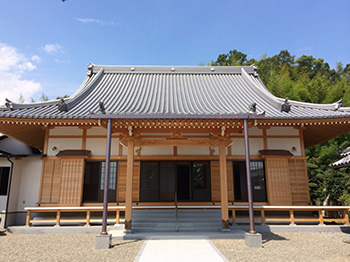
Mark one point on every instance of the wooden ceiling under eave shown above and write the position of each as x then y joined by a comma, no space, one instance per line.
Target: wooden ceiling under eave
32,135
316,134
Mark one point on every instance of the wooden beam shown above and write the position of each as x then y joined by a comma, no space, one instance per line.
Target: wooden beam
46,141
302,146
179,142
223,185
265,138
129,176
83,144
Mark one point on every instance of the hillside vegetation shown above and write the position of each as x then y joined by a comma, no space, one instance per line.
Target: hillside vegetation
308,79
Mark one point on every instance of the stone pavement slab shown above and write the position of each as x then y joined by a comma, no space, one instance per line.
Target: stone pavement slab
179,250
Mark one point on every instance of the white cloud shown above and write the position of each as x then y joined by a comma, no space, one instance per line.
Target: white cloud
36,59
13,65
97,21
53,48
61,61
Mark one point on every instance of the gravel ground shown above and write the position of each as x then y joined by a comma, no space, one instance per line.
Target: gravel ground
294,246
80,247
63,247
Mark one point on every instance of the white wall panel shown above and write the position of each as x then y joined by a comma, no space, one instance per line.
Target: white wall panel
157,151
96,131
255,144
286,144
63,144
254,131
193,150
282,131
97,146
66,131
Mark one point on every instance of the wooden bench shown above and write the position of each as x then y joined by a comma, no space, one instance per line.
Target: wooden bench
60,210
291,215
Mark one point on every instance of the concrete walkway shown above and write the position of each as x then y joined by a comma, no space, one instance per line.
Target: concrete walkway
179,250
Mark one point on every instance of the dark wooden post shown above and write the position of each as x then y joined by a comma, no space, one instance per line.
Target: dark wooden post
106,184
249,181
223,185
129,178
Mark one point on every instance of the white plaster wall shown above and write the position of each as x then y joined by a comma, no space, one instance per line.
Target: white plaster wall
28,194
97,131
66,131
286,144
282,131
255,144
15,187
3,199
254,131
216,150
157,151
25,188
63,144
125,151
97,146
193,150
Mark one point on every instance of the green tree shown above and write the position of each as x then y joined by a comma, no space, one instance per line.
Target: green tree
21,98
308,79
43,97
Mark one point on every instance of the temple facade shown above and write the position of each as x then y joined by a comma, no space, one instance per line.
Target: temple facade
177,137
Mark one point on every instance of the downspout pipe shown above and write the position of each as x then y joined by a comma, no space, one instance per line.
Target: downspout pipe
106,182
249,180
8,191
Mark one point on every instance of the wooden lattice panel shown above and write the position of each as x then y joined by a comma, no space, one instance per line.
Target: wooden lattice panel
121,185
72,175
46,181
215,180
278,182
136,182
56,181
50,183
299,182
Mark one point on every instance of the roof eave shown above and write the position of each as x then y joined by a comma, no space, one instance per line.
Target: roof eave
179,116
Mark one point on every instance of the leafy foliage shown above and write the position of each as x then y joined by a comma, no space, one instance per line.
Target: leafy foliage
311,80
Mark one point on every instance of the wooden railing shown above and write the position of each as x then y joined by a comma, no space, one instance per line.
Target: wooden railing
291,213
290,210
60,210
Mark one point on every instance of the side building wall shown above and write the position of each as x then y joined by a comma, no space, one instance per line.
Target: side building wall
24,189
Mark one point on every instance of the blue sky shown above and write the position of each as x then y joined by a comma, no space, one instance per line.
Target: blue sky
45,45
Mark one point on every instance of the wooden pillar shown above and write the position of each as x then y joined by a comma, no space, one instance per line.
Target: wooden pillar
46,141
117,217
58,218
88,217
223,185
346,217
129,176
28,219
302,147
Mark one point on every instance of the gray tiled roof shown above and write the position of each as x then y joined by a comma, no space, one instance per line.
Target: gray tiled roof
163,91
344,161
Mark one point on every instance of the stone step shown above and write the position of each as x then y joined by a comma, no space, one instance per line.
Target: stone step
165,220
